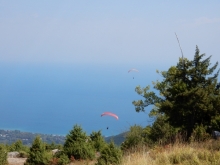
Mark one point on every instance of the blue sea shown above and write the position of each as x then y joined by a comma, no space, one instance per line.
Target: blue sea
51,99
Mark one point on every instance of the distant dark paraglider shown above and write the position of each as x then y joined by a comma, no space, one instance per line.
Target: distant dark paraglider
133,70
109,114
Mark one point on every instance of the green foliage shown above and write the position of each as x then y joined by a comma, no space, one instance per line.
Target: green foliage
23,154
199,134
111,154
135,137
97,141
63,160
37,153
19,147
16,146
53,146
215,122
161,131
3,155
187,94
78,144
60,158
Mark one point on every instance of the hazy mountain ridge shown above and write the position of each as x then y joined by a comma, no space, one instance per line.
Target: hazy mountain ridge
118,139
11,136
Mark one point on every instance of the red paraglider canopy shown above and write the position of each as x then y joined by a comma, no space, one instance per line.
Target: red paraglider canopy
110,114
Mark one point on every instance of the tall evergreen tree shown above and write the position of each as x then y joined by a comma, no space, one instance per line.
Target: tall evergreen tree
188,94
97,140
78,144
37,154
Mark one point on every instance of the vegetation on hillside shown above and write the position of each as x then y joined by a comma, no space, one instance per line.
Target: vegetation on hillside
11,136
188,100
3,155
37,153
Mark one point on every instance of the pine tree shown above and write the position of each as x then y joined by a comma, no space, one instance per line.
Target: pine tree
78,144
97,141
17,146
188,94
37,154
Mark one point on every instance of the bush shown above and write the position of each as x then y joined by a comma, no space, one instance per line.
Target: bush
134,138
3,155
78,145
63,160
199,134
38,154
161,131
53,146
23,154
97,141
60,158
17,146
110,155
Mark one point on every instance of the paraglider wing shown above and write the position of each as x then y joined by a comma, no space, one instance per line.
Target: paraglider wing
135,70
110,114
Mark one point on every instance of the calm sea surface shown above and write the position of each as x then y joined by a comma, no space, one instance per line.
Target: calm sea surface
52,99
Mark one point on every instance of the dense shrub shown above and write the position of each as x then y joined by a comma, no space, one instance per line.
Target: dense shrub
134,138
53,146
23,154
63,160
60,158
97,140
19,147
3,155
78,144
38,154
161,131
111,154
199,134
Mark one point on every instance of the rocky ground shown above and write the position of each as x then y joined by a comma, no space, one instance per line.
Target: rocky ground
16,161
20,161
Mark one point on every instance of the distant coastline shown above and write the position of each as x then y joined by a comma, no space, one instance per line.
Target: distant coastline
32,132
11,136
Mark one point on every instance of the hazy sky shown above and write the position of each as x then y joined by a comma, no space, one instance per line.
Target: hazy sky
48,50
112,32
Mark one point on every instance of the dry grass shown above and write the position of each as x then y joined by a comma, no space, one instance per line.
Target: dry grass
182,154
205,153
83,163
